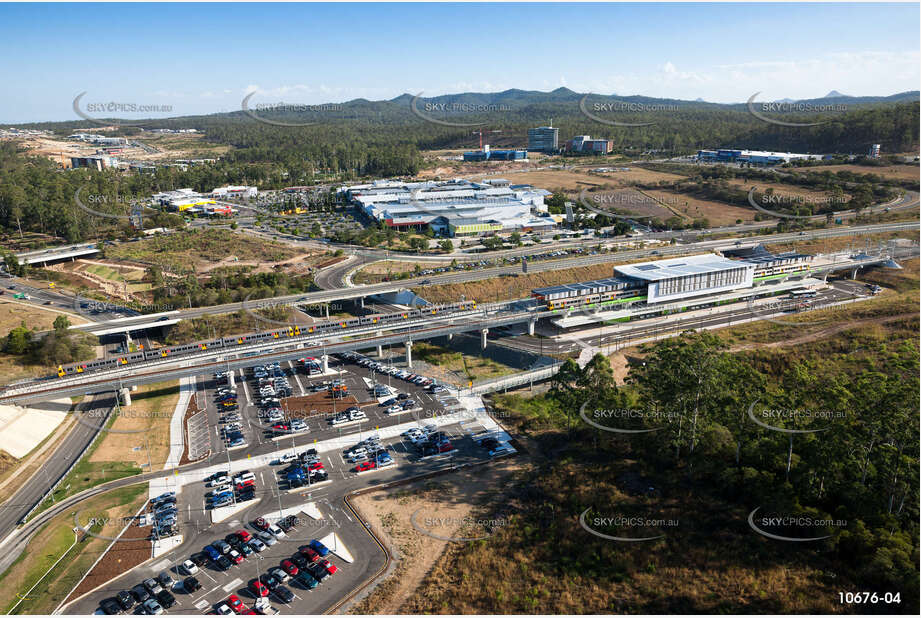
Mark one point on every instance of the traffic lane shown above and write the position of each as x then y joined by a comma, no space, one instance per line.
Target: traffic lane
88,424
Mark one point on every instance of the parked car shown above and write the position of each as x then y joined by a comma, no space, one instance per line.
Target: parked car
258,589
166,599
319,547
110,606
152,607
306,580
329,566
188,567
124,599
140,593
191,584
153,587
284,594
289,567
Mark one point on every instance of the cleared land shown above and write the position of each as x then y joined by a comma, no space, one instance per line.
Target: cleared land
142,425
506,288
54,541
13,313
196,249
898,172
376,272
448,501
472,368
717,213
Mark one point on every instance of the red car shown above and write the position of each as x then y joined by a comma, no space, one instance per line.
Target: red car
281,427
445,447
235,603
261,524
310,553
329,566
244,536
258,589
236,556
317,465
289,567
365,466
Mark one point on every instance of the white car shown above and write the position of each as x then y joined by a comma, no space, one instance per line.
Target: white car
394,409
339,420
224,610
257,545
188,567
357,416
266,538
276,531
288,458
219,481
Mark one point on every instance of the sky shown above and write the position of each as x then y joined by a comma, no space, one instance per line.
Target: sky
206,57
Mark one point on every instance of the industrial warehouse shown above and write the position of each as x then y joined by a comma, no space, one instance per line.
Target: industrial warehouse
453,208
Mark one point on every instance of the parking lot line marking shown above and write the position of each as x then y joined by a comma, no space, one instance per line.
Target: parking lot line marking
233,584
201,603
207,574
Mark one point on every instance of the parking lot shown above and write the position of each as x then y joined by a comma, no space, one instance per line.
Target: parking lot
317,504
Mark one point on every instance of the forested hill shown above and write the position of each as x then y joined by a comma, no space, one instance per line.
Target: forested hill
385,136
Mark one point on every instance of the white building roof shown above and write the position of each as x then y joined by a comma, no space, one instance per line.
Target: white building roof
679,267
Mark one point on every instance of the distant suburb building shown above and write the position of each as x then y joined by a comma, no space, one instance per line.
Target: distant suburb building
544,139
235,192
181,200
453,208
496,155
585,143
754,157
97,162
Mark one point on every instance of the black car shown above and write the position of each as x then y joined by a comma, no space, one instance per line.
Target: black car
403,396
270,581
300,561
233,538
489,443
223,563
110,606
191,584
125,599
319,573
165,580
166,599
140,593
200,559
287,523
284,594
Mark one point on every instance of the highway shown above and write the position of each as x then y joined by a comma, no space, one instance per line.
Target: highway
360,291
55,464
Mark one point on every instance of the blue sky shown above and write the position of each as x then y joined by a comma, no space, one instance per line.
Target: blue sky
200,58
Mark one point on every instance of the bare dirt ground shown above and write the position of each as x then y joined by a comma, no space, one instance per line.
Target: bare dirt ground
782,189
146,422
717,213
316,404
441,504
821,334
900,172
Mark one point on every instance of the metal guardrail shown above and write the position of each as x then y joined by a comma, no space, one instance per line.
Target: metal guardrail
515,380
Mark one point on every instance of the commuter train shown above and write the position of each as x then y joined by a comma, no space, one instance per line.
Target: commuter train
307,330
591,294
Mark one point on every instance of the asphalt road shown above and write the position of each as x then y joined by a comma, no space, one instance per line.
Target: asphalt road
54,465
542,265
272,495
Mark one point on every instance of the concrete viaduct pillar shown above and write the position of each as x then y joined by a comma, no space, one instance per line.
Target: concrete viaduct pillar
854,272
231,379
325,366
409,354
531,324
483,334
380,348
124,397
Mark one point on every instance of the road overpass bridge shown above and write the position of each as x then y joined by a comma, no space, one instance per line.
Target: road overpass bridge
359,292
245,356
54,254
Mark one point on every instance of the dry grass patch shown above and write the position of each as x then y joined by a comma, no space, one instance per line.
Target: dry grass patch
54,541
146,422
441,505
717,213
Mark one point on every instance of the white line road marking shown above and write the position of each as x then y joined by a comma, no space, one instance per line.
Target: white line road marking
202,603
207,574
233,584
